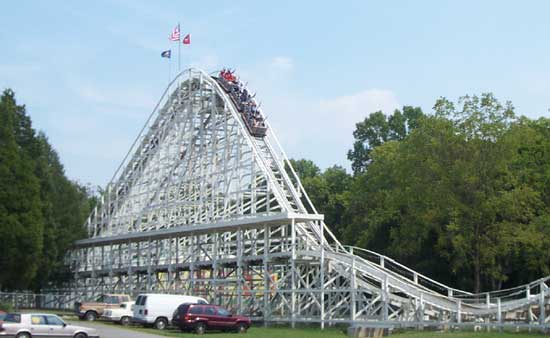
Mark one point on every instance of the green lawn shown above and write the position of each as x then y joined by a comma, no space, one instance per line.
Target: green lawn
255,332
309,332
464,334
286,332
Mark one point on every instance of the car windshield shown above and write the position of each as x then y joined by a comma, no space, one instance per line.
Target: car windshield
182,308
143,300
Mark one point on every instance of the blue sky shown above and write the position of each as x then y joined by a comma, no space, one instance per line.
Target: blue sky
90,72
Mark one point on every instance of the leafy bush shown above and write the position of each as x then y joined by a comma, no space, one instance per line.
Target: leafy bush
6,307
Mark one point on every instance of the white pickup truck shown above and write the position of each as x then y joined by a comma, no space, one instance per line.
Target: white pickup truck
121,315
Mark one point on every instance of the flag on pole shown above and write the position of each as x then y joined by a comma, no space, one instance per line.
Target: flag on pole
166,54
175,36
187,39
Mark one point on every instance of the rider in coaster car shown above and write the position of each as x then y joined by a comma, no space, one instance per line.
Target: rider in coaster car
244,96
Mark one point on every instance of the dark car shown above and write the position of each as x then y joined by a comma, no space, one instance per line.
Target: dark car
202,317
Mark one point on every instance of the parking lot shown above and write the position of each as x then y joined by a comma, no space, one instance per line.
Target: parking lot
114,331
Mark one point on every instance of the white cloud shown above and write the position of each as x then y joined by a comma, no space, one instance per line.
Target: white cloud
207,62
133,98
317,128
282,64
347,109
322,130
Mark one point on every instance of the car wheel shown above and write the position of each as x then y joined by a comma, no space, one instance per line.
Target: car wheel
125,321
90,316
23,335
241,328
80,335
160,324
200,328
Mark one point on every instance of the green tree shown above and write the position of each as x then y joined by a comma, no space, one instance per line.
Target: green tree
21,227
327,190
378,128
65,205
41,211
458,191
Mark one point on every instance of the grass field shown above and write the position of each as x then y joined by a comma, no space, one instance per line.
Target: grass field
310,332
286,332
464,334
256,332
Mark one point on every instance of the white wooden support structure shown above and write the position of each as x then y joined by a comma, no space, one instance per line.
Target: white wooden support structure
200,205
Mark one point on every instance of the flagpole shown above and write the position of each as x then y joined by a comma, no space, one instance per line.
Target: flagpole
179,50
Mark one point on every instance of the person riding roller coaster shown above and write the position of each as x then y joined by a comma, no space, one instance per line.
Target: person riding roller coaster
228,75
244,102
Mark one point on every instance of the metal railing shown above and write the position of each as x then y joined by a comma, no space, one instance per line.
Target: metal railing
59,300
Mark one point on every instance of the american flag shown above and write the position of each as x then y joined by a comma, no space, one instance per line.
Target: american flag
175,36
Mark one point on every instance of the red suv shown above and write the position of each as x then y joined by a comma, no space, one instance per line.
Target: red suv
202,317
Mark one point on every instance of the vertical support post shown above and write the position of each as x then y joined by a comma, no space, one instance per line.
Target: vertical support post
385,299
170,264
293,273
382,261
176,275
149,258
267,277
101,266
353,290
194,246
240,274
529,309
421,311
488,300
129,284
94,264
459,311
322,302
542,315
499,314
215,268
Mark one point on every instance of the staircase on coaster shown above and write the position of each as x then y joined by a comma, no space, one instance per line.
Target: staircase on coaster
200,206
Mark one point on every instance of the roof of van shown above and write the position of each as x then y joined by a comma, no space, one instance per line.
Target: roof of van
166,294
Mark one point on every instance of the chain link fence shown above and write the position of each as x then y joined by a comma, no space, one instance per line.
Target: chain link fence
48,301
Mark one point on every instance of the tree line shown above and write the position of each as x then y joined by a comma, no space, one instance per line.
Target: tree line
462,195
42,212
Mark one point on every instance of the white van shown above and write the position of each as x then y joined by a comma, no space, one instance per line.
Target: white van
157,309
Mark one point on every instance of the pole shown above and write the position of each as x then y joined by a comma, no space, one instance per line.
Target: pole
179,50
169,68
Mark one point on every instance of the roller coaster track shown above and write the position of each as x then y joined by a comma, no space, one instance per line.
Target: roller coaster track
201,206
